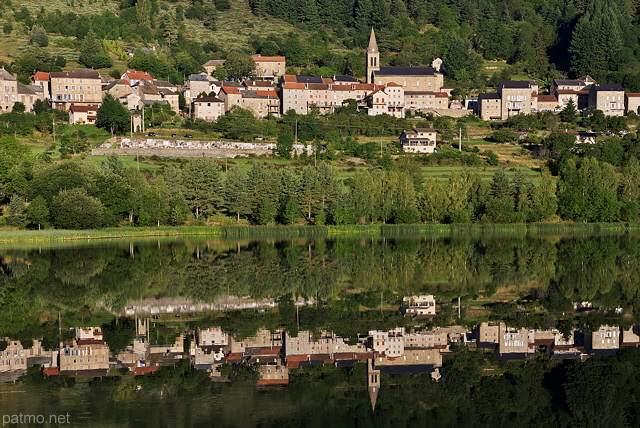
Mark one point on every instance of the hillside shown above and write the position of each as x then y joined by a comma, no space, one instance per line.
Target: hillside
481,43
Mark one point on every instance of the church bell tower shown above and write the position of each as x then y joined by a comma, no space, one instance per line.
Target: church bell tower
373,57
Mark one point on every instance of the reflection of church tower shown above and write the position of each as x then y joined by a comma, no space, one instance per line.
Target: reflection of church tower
373,57
373,383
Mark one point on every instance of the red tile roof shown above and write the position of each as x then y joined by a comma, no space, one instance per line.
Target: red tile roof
566,91
138,75
441,95
235,356
269,58
292,85
139,371
41,75
289,78
547,98
84,342
268,93
293,364
230,90
298,358
51,371
631,94
274,351
85,109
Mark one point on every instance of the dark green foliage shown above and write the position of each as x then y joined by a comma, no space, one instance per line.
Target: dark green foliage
75,209
93,54
113,116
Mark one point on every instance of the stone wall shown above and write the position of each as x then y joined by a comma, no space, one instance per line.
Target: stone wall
187,148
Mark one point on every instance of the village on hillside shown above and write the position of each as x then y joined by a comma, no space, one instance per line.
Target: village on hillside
393,91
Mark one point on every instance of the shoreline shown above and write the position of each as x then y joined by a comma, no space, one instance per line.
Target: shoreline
255,232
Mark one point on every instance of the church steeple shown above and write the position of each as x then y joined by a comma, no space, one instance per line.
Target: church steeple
373,383
373,45
373,57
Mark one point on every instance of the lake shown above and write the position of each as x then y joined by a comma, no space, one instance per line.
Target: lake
160,289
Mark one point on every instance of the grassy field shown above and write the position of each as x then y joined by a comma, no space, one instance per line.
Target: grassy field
376,230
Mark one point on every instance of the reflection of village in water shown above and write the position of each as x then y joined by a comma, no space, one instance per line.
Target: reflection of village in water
274,353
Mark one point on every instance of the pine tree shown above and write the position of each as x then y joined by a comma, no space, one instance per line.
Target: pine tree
93,53
569,113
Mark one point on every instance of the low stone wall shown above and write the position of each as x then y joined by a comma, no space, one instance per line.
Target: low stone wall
188,148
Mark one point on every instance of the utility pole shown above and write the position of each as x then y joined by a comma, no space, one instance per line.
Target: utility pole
460,139
143,118
53,124
296,137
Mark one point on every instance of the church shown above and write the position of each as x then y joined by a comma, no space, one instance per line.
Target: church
410,78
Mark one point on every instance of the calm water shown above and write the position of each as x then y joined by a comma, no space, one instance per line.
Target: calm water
90,283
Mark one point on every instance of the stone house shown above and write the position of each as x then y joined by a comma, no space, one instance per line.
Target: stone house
422,305
261,102
83,355
516,97
632,103
81,114
269,67
389,100
211,65
419,140
132,77
490,106
548,103
425,100
208,108
75,87
390,343
609,98
605,338
120,89
8,91
212,336
42,79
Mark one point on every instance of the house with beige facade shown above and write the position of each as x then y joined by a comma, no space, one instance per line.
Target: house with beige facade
42,79
80,357
388,100
422,305
632,103
419,140
425,100
490,106
609,98
211,65
8,91
208,108
269,67
261,102
80,87
606,338
132,77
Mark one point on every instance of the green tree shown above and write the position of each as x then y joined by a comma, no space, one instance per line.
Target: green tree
93,54
239,66
113,116
202,187
39,36
75,209
569,113
38,212
236,190
284,146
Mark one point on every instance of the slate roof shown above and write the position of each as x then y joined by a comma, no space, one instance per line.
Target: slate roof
406,71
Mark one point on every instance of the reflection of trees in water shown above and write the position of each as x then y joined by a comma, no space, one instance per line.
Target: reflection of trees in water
73,268
108,276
